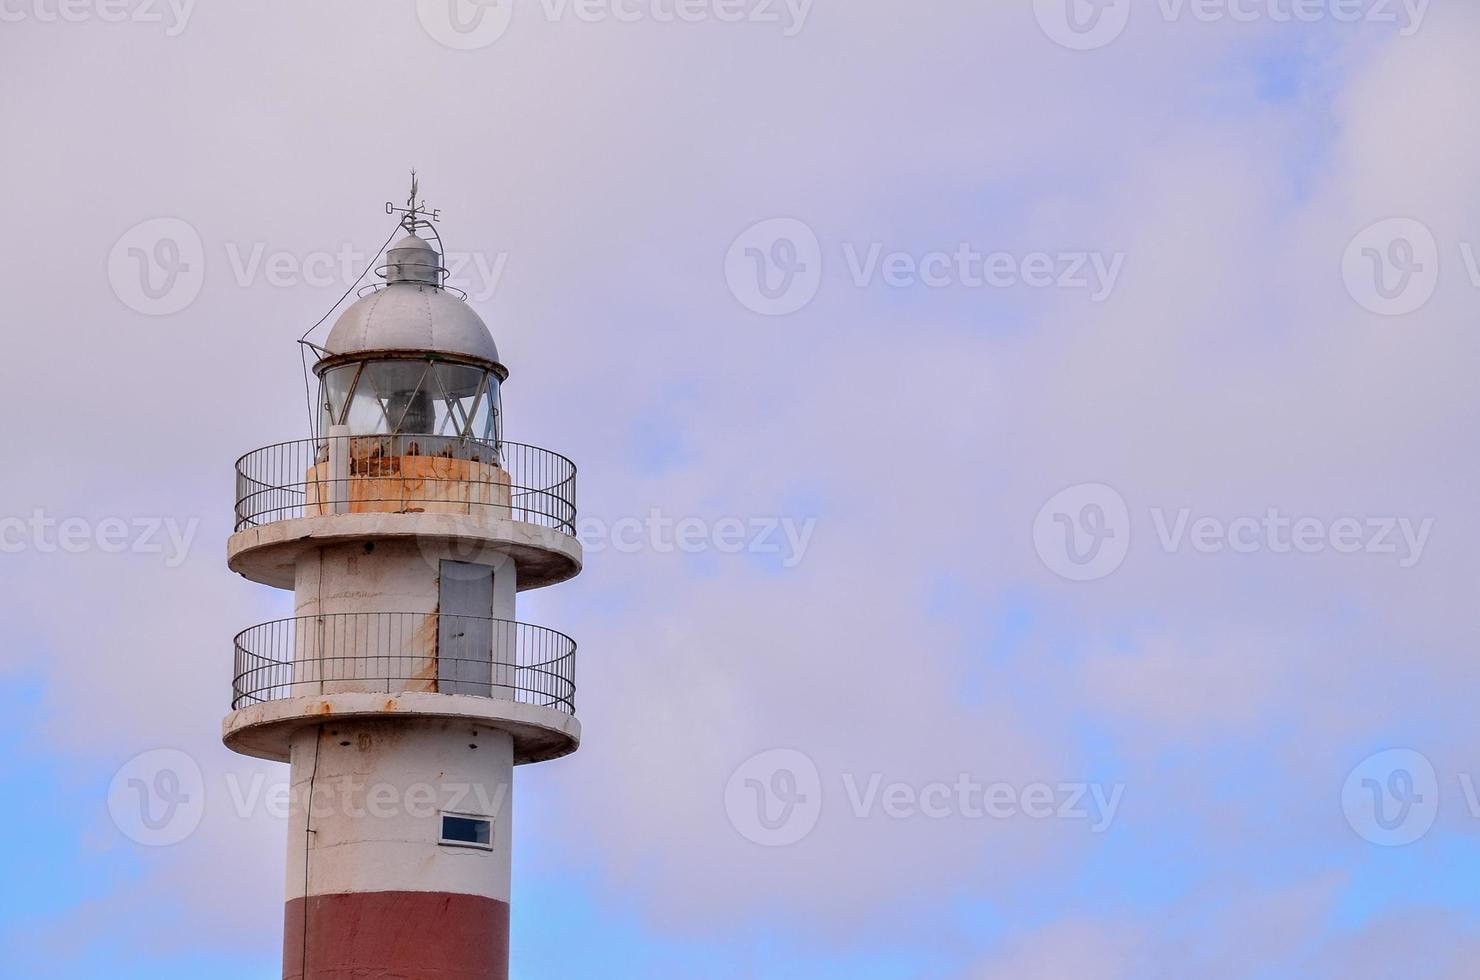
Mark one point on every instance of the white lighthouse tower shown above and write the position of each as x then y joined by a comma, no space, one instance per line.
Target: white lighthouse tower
404,689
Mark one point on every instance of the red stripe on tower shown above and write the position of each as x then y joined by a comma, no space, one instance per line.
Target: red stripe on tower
397,936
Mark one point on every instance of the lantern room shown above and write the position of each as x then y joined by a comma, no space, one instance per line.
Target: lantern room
411,358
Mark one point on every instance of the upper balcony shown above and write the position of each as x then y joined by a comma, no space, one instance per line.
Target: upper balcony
507,495
401,474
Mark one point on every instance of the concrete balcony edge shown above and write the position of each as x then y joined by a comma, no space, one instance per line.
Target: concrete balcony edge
264,730
268,554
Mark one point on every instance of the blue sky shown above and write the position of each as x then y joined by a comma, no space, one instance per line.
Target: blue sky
934,438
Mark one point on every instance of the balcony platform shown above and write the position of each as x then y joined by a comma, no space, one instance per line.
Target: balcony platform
269,553
495,497
264,730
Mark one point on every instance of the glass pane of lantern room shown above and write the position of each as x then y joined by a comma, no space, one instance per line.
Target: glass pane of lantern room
459,384
492,424
400,386
366,415
334,388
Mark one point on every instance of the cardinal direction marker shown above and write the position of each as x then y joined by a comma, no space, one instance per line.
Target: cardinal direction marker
415,214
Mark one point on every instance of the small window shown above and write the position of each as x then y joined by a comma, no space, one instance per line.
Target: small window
459,830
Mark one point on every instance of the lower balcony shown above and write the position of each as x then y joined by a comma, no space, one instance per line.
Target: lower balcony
392,653
507,675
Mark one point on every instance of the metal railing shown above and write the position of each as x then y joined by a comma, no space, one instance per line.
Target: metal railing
394,653
402,474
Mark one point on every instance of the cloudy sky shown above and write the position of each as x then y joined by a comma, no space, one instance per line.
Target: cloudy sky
1067,403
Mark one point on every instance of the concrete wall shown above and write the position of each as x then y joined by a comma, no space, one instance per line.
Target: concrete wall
391,576
378,791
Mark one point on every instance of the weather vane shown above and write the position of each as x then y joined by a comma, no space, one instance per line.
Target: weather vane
415,212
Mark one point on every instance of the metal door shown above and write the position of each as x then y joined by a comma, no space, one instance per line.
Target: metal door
465,631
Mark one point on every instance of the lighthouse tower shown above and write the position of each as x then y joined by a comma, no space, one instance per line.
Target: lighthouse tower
404,689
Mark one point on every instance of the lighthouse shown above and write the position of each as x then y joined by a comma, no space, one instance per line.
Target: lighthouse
404,689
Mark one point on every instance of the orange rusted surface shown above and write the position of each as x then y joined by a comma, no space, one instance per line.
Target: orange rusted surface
409,484
423,677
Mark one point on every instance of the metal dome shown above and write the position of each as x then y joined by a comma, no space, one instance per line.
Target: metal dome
412,312
413,259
